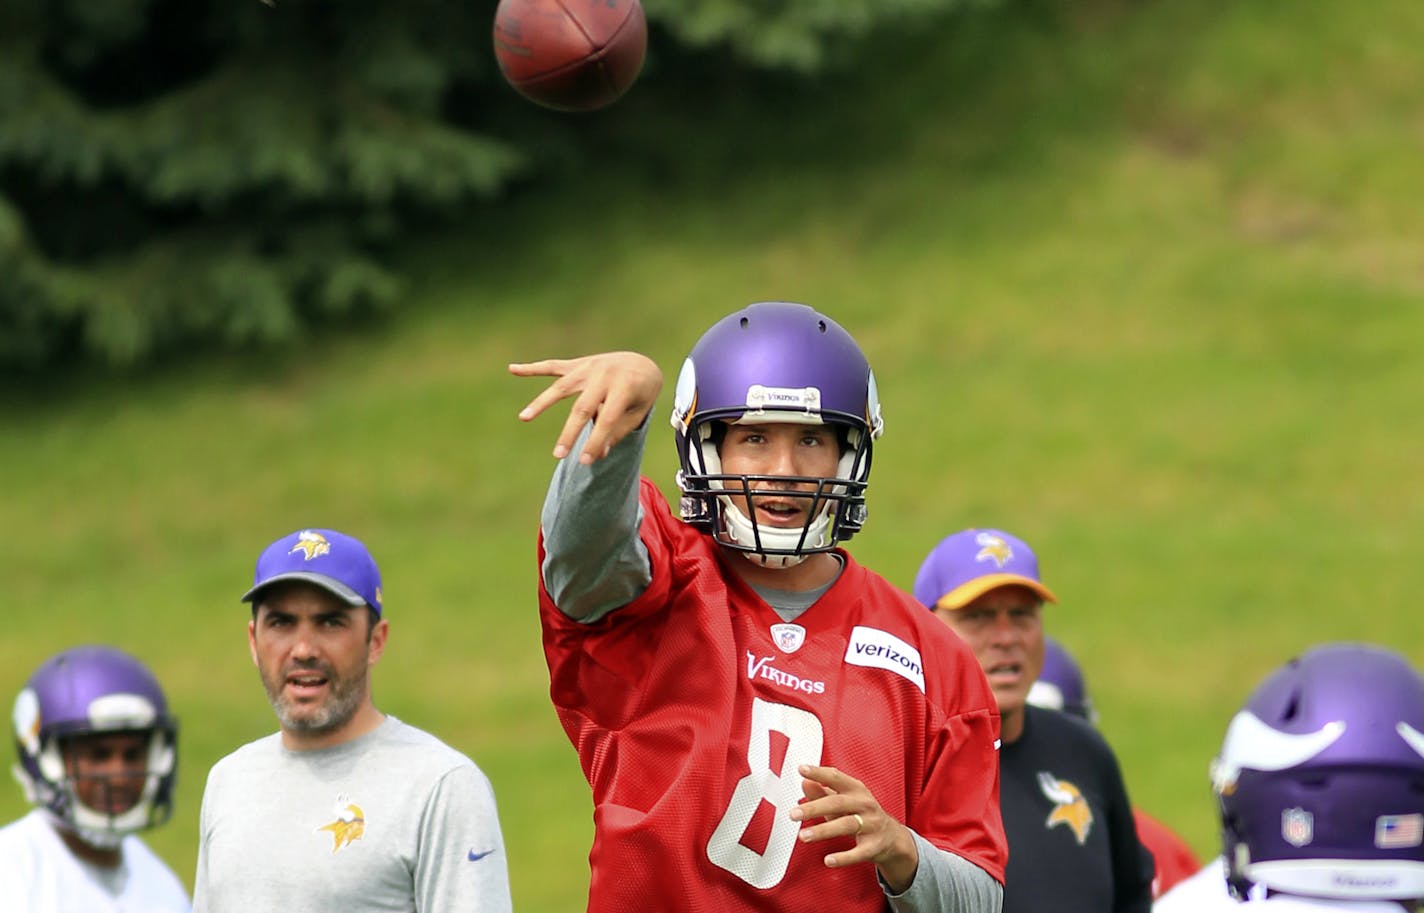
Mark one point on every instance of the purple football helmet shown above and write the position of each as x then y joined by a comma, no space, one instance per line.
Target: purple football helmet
1320,780
1060,686
775,362
86,691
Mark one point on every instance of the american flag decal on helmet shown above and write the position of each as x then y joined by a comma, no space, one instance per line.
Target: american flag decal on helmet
1393,832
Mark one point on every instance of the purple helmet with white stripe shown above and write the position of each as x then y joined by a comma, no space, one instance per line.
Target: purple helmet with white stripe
775,362
87,691
1320,780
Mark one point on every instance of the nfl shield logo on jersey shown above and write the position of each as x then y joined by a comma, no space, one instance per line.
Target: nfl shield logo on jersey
788,637
1297,826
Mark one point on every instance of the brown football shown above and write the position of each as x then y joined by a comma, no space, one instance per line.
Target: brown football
570,55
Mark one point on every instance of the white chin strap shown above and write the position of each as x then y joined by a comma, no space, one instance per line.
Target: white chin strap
740,531
99,839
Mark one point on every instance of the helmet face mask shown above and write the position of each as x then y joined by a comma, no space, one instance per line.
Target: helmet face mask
76,699
1320,780
775,363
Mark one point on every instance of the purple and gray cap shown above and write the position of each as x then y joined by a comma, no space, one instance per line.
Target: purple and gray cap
970,563
334,561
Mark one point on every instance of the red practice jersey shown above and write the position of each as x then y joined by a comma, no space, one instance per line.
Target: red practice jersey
1174,860
692,707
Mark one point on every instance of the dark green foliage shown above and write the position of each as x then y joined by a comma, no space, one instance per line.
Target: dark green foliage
797,34
178,174
200,173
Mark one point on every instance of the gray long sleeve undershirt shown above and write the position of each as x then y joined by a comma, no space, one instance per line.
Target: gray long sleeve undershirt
595,562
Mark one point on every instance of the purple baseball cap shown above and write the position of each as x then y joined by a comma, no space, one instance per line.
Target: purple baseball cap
970,563
333,561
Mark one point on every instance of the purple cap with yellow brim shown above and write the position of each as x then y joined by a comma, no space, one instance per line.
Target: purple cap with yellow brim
970,563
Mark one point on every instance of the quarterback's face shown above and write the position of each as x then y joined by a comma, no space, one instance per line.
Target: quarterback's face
780,449
314,653
108,769
1004,627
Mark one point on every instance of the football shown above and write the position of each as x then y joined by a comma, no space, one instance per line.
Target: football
570,55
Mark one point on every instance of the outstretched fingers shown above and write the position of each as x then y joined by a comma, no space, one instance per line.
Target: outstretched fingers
614,390
549,367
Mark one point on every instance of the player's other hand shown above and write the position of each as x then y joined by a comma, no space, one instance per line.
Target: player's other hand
616,390
846,808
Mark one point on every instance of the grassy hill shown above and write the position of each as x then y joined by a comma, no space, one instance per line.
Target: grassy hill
1141,283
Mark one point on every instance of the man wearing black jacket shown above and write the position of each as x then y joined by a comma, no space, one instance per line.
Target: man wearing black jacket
1073,846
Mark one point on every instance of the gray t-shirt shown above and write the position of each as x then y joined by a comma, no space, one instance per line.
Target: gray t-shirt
395,820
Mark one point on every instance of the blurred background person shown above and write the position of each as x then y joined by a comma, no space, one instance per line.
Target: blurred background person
97,758
1062,686
1073,846
1320,790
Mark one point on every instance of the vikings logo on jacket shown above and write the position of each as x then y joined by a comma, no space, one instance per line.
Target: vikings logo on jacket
1069,806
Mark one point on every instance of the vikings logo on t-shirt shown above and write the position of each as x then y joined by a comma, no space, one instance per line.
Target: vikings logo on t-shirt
349,826
1069,806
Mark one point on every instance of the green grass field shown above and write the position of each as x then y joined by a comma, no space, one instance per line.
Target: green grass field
1141,282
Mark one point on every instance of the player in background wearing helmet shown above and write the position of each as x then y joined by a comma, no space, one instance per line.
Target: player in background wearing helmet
1073,846
1061,686
345,809
766,725
1320,789
97,758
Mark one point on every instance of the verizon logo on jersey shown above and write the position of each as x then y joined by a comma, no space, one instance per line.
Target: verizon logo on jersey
883,650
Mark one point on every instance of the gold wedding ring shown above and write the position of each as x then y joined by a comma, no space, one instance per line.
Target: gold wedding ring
859,824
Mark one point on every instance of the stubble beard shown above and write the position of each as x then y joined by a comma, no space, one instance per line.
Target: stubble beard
336,711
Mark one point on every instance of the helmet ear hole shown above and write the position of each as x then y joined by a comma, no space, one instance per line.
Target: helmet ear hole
715,433
51,762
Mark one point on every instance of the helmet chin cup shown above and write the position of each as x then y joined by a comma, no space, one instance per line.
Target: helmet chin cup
777,562
790,546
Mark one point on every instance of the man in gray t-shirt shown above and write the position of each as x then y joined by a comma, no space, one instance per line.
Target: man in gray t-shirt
345,808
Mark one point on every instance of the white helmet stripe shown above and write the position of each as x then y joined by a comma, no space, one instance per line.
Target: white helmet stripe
1252,744
1412,736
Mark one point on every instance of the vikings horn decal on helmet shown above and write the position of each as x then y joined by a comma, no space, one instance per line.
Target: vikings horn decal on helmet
767,363
87,691
1320,779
